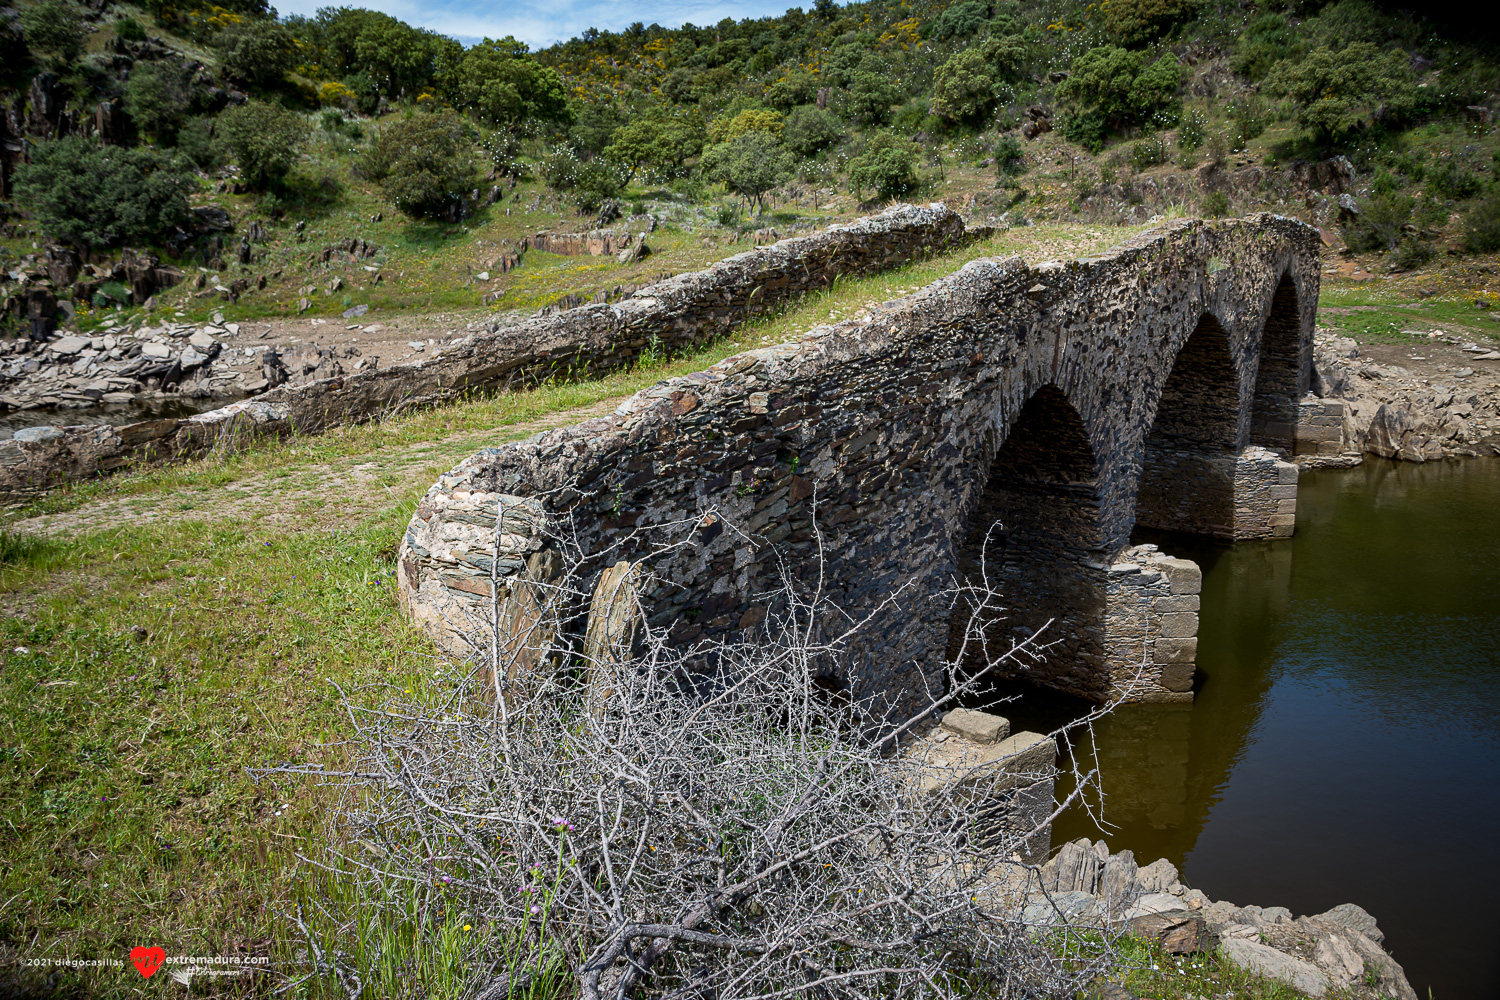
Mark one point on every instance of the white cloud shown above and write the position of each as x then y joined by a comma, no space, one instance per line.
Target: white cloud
539,23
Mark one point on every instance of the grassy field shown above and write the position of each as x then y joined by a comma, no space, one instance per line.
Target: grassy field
164,631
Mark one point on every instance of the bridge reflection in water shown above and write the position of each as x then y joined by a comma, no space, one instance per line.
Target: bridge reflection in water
1345,738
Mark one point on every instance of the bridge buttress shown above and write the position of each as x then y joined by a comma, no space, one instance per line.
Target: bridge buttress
1150,625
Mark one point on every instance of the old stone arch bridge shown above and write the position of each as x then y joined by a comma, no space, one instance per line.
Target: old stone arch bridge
1066,402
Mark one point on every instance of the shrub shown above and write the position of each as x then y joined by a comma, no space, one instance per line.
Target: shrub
130,29
422,164
808,131
1148,153
1264,43
1087,128
1193,130
1379,223
1452,181
732,125
1121,87
1411,252
1010,157
963,89
1215,205
258,51
1337,91
93,196
1136,21
158,96
1482,225
888,166
655,141
264,139
959,21
797,87
54,27
870,97
195,140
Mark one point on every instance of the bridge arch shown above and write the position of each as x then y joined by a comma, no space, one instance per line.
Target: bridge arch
1278,378
1188,462
1034,534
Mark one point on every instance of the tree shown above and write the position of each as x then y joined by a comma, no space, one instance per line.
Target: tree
158,97
1135,22
749,165
395,57
888,166
93,196
797,86
731,126
1119,87
1338,91
54,27
870,97
654,141
422,164
963,89
499,83
264,140
258,51
808,131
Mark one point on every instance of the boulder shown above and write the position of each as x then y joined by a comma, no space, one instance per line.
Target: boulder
1156,876
69,345
1263,960
1178,932
1355,918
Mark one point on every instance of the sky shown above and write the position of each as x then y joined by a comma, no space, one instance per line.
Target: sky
541,22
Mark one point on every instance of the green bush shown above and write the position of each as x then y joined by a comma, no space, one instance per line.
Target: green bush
963,89
657,141
422,164
258,51
1338,91
1215,205
1088,129
158,96
54,27
808,131
887,167
1380,222
130,29
1148,153
1482,225
959,21
1411,252
1138,21
195,140
870,97
1111,88
1010,157
93,196
1264,43
264,139
1451,180
1193,130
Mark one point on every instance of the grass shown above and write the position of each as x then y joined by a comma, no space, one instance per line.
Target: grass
1147,971
1378,316
147,663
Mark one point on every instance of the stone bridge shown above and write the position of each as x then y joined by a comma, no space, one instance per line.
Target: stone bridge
1052,408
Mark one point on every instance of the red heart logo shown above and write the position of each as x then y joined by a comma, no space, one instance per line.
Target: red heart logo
147,960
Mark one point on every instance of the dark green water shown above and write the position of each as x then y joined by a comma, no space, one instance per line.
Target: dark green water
1344,745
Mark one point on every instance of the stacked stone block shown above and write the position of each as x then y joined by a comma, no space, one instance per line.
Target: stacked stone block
1320,426
1265,495
1151,625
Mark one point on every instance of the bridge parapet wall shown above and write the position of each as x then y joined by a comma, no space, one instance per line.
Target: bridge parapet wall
862,455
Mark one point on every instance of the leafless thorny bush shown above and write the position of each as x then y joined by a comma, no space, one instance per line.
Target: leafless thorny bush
628,818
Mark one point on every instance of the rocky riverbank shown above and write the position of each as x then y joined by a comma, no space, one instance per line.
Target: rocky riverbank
1339,949
1420,402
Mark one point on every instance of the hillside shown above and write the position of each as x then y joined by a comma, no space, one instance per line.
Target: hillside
249,154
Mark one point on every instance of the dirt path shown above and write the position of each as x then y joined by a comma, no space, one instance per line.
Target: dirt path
304,497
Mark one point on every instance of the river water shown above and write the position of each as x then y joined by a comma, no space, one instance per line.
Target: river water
1344,745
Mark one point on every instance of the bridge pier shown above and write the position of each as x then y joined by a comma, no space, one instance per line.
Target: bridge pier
1150,625
1265,495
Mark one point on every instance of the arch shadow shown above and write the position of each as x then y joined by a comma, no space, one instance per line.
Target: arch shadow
1035,536
1188,465
1273,414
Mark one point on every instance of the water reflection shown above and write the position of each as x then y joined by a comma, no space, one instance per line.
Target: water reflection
1344,744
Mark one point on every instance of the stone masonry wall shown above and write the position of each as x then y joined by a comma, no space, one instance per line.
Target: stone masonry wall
858,458
1151,625
681,312
1265,495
